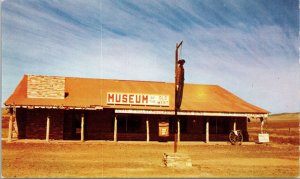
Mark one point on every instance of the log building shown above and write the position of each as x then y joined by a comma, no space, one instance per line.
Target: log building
69,108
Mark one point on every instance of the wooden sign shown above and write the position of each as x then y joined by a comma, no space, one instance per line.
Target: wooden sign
137,99
163,130
263,138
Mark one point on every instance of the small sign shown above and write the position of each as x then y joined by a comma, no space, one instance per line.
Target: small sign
163,130
263,138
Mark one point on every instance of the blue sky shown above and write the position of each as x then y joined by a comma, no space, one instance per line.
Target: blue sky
248,47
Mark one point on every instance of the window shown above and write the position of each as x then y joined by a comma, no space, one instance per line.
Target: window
130,123
217,125
183,125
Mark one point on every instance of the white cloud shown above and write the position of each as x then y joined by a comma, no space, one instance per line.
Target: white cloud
106,39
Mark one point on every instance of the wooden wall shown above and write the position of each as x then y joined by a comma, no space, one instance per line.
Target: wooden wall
99,125
32,123
21,121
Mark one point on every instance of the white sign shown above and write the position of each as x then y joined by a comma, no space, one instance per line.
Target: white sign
263,138
137,99
163,131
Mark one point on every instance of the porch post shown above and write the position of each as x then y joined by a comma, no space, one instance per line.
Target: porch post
15,124
207,130
234,124
48,128
10,128
82,127
115,129
178,130
147,129
262,121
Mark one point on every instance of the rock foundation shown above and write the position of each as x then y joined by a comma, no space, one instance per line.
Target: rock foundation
178,160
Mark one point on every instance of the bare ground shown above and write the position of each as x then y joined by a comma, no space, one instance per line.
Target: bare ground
129,159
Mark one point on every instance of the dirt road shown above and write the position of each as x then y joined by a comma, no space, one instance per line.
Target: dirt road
141,159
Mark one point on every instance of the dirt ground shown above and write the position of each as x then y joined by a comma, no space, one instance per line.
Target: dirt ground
129,159
90,159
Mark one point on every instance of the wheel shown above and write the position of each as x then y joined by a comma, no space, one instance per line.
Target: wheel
239,138
236,137
232,138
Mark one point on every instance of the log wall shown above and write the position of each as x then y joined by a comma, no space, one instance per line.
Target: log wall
99,125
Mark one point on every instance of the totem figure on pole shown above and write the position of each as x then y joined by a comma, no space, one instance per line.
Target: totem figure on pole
179,83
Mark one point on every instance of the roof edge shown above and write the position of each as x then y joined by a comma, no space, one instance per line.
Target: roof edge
19,86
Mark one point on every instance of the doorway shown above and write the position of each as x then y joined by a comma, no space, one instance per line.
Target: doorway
72,125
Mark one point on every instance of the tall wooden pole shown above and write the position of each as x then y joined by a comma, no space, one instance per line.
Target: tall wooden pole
82,128
178,130
175,134
47,128
176,64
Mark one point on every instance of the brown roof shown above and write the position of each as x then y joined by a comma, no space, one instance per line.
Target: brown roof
86,92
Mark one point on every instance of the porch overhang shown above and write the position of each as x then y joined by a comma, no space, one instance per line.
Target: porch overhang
189,113
55,107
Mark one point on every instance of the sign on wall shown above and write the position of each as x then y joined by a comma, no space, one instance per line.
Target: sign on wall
163,130
137,99
263,138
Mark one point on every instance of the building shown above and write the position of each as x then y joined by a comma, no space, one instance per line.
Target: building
69,108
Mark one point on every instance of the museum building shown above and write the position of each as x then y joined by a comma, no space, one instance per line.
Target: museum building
71,108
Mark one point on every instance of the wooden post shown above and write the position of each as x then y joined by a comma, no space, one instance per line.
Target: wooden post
207,130
10,128
82,128
178,130
115,129
262,121
147,130
47,128
15,124
234,124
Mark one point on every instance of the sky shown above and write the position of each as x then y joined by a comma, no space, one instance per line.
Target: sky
250,48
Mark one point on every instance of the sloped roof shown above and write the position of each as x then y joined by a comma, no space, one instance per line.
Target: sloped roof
86,92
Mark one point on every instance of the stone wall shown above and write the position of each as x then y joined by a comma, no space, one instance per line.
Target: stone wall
45,87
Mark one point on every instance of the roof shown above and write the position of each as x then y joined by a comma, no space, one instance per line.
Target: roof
87,92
